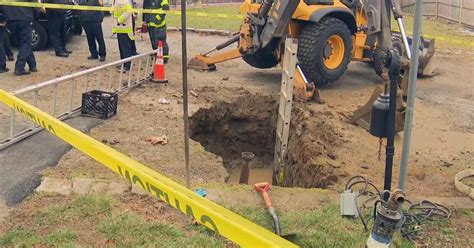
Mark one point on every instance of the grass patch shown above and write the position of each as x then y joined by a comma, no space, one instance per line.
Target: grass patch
27,238
445,228
130,230
91,206
466,213
209,22
19,237
445,31
62,238
82,207
317,228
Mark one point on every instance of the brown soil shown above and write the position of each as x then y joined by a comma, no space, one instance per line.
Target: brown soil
244,125
311,158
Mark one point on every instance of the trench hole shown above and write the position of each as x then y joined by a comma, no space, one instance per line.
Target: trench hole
245,125
248,124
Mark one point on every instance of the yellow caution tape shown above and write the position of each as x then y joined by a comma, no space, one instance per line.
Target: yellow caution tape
109,9
206,212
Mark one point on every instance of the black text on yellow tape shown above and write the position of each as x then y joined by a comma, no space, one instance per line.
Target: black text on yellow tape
109,9
208,213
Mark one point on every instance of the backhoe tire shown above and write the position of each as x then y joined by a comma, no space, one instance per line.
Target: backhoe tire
378,57
262,59
324,50
378,62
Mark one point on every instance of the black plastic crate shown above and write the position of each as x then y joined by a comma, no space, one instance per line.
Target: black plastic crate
99,104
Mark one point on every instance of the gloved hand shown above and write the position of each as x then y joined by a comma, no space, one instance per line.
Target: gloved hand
144,28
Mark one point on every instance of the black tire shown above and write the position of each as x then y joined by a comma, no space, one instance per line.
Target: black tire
39,36
398,46
263,59
312,44
378,61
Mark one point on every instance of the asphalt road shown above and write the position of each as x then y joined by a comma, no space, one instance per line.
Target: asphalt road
22,163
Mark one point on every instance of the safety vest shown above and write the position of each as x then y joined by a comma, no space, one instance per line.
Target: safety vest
155,20
122,18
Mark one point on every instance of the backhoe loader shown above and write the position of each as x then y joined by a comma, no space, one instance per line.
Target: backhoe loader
330,34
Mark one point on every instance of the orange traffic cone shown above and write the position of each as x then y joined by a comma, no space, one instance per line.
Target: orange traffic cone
159,69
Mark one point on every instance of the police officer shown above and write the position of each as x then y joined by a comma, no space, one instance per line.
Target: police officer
19,19
122,26
156,25
92,23
3,32
57,28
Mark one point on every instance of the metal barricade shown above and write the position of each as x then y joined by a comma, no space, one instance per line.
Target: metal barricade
61,97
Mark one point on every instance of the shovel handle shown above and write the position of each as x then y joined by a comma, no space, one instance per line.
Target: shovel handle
264,188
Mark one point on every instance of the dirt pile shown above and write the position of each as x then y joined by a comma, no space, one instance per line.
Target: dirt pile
229,128
311,159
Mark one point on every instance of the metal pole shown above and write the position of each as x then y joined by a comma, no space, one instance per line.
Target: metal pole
184,63
411,96
394,74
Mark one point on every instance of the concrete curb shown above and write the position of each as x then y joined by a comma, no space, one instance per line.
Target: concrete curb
82,186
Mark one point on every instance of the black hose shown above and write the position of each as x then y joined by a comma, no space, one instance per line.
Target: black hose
413,217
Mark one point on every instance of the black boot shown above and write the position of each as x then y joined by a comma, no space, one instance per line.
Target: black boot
62,54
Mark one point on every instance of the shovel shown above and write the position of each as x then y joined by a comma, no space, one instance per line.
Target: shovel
264,188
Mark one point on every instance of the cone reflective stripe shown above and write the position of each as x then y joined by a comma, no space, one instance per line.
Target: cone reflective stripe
159,69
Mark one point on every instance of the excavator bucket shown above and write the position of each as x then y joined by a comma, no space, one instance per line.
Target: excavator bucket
362,115
199,63
425,67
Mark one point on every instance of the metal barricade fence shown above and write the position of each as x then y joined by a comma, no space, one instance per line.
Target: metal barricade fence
61,97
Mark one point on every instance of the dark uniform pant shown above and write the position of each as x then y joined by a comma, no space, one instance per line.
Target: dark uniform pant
125,48
94,33
133,45
3,61
6,44
57,30
21,31
157,34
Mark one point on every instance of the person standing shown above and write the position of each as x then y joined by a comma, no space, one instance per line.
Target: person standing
3,32
156,25
92,23
19,19
57,29
122,26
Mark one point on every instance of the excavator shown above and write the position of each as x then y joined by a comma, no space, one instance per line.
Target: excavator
330,34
